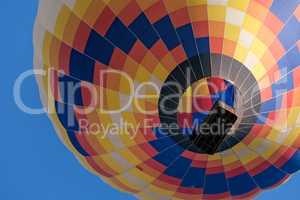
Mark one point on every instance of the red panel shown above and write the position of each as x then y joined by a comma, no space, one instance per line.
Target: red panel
180,17
104,21
81,36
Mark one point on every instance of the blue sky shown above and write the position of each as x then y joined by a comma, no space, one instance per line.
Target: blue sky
34,164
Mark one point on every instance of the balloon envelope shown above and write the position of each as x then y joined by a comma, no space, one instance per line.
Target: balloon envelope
109,65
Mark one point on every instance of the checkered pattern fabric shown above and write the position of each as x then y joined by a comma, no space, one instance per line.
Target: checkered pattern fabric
76,40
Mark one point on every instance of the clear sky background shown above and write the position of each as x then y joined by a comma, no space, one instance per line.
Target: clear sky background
34,164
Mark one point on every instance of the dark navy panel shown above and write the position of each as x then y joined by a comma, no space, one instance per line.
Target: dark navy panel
120,36
290,33
70,90
81,66
203,45
178,168
186,131
167,32
161,144
215,184
144,30
159,133
241,184
284,9
76,144
168,156
194,178
269,177
99,48
66,116
293,164
187,39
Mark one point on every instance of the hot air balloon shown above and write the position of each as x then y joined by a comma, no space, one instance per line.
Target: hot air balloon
191,63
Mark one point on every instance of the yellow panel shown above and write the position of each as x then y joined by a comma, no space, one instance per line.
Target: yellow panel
258,48
142,75
92,13
251,24
248,156
229,158
258,71
241,5
159,190
241,53
113,164
216,13
196,2
46,48
293,136
160,72
257,143
112,99
138,173
200,88
62,20
125,86
80,7
232,32
294,116
130,157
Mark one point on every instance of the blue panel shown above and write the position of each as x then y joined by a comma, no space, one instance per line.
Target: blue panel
167,32
293,165
271,105
179,168
215,98
67,118
290,33
99,48
187,37
228,96
194,178
120,36
241,184
70,91
161,144
284,9
203,45
283,85
144,30
289,61
81,66
168,156
262,118
215,184
269,177
198,117
293,58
